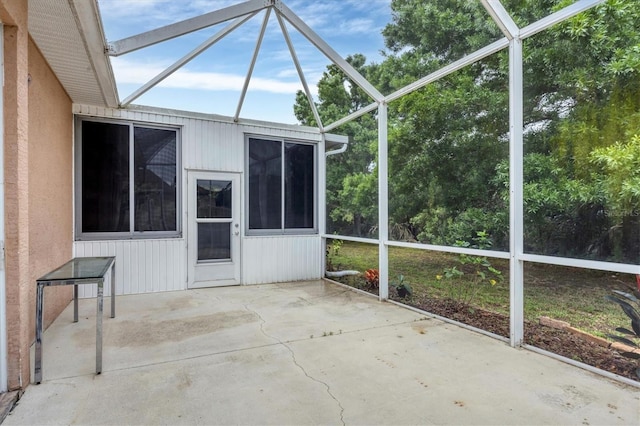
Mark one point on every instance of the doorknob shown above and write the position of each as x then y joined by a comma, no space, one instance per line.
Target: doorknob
237,233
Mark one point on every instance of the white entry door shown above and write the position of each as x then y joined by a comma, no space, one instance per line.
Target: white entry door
214,229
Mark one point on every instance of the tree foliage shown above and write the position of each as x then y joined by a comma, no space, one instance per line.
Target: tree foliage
351,182
448,142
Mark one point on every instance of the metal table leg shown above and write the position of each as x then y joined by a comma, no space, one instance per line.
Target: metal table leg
75,303
74,278
99,327
113,290
39,305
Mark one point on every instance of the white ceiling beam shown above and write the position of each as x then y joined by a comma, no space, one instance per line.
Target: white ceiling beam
185,59
566,13
328,51
247,80
501,18
168,32
303,80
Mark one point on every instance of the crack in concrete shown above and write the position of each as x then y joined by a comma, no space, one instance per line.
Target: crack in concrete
297,364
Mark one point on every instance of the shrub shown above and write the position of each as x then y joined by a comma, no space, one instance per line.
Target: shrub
402,287
333,250
464,288
626,336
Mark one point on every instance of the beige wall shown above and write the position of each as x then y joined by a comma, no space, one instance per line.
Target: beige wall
50,182
14,16
38,235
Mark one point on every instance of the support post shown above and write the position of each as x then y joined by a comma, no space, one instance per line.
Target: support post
516,184
383,201
322,202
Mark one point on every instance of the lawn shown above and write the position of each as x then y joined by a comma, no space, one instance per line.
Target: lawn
573,295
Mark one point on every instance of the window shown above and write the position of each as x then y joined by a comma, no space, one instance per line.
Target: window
214,216
281,186
127,180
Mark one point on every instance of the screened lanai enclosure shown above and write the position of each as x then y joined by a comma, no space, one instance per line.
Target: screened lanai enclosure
493,150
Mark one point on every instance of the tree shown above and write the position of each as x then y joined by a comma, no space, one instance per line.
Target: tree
585,77
447,138
581,94
448,141
351,178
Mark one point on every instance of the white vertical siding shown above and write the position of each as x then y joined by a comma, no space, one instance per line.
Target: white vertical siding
142,266
280,259
213,144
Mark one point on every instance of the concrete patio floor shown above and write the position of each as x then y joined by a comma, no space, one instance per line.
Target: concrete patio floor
301,353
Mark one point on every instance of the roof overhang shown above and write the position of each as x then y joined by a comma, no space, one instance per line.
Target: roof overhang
69,34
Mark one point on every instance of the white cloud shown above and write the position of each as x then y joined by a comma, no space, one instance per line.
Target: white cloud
139,73
159,10
361,26
342,17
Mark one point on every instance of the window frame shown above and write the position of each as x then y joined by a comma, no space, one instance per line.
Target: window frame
282,230
132,234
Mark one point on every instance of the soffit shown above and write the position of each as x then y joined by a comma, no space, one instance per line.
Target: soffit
70,36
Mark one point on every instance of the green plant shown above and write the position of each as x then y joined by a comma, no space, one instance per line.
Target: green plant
464,286
333,250
402,287
625,300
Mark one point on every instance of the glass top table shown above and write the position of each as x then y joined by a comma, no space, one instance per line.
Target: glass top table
79,270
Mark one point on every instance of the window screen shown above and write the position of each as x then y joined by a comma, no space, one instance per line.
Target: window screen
282,185
125,169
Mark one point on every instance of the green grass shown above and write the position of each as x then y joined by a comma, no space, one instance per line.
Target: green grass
573,295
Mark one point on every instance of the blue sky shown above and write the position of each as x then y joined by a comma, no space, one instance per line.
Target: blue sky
212,82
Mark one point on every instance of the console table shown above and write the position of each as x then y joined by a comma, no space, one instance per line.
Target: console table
77,271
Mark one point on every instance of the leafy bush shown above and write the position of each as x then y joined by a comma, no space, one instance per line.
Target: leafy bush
625,300
332,253
463,287
438,226
402,288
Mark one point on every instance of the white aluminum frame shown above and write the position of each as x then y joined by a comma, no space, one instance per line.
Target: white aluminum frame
502,18
242,13
328,51
516,189
513,40
88,19
303,80
186,59
168,32
383,202
254,58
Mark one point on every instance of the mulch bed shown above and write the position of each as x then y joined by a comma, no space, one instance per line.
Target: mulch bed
553,340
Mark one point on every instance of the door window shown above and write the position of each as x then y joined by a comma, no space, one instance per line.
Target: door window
214,218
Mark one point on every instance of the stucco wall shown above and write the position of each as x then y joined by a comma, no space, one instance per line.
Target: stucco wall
16,42
50,182
32,192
